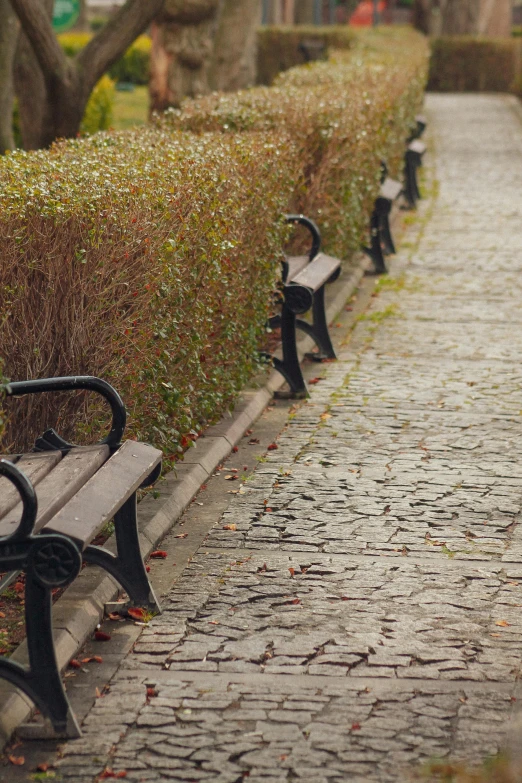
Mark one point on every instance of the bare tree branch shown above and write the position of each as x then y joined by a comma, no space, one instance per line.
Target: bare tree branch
115,38
39,30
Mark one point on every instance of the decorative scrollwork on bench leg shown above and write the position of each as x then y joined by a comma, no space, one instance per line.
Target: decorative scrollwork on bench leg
53,561
127,567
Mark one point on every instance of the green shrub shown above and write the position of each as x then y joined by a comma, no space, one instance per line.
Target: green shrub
132,67
279,47
472,64
147,257
98,113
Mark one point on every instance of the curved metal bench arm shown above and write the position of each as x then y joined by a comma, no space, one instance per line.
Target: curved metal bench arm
312,227
28,497
87,382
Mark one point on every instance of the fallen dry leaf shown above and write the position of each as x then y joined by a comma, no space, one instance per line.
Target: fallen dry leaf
253,441
235,449
315,380
43,767
181,535
325,416
18,761
229,527
273,447
356,726
151,692
292,571
136,613
230,477
502,623
101,636
159,554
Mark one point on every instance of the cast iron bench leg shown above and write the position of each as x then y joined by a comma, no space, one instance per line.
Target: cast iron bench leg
289,366
318,329
42,681
386,235
127,567
410,176
375,249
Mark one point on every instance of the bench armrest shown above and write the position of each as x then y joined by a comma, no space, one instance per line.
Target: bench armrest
27,496
87,382
312,227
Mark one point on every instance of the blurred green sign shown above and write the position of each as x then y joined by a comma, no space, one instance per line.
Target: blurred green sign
65,14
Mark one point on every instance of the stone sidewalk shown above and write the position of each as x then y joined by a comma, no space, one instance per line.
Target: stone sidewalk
357,611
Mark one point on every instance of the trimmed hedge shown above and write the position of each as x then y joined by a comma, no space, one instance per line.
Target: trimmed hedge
150,256
132,67
473,64
279,47
344,116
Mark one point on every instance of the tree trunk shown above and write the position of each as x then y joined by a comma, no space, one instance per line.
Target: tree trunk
304,12
182,42
235,45
467,17
34,112
8,40
53,90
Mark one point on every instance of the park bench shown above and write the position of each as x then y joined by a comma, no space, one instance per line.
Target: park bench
304,280
313,49
381,239
54,501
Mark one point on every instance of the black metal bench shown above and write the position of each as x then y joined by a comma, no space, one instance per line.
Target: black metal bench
304,280
413,161
381,239
53,503
313,49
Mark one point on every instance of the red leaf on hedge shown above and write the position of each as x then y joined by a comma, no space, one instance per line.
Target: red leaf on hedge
159,554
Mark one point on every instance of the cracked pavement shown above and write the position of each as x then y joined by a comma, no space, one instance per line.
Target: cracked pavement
356,610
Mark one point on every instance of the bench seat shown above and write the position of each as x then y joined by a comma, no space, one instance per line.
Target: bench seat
53,505
304,280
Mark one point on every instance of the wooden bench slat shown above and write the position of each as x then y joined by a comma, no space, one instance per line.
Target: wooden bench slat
317,272
59,486
35,467
294,265
390,189
84,516
417,146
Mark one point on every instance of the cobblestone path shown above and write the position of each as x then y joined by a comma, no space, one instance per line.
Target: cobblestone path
362,612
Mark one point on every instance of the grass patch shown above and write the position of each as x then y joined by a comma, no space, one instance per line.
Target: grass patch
130,108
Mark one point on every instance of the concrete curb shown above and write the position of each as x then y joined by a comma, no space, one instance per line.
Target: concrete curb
77,613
